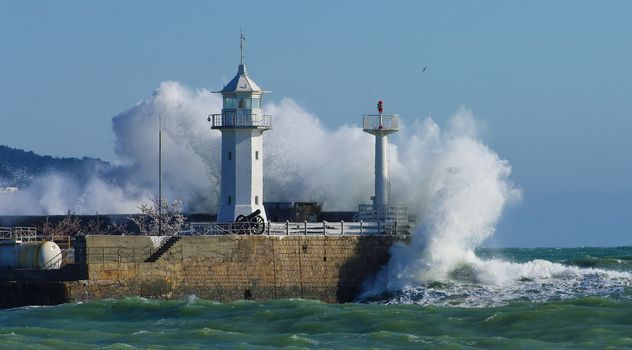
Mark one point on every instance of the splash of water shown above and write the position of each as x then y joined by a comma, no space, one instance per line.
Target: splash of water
461,192
190,151
497,282
304,160
457,186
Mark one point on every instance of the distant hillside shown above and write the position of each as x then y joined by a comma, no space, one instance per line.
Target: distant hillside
19,168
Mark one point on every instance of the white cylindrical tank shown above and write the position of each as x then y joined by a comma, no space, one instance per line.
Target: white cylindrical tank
44,255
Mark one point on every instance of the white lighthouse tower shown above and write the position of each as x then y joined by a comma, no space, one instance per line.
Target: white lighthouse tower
242,124
381,125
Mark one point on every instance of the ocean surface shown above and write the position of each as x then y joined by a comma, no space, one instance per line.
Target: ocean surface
577,298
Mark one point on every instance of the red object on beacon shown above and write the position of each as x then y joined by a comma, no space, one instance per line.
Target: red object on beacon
380,108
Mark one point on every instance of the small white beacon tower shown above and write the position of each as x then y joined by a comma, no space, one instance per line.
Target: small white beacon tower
381,125
242,124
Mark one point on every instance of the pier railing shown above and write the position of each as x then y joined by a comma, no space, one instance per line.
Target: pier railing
122,254
24,234
29,234
327,228
370,212
118,254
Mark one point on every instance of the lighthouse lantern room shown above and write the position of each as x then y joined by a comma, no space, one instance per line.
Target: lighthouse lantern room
242,124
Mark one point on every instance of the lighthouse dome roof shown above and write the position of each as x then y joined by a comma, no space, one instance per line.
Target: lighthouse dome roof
241,82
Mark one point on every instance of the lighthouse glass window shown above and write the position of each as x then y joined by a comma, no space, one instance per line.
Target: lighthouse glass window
244,103
230,102
256,102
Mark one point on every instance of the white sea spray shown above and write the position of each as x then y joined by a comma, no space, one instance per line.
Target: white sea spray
303,160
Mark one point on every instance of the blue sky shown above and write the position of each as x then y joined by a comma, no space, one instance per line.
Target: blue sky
551,81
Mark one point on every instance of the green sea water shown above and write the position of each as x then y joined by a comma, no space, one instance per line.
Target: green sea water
562,299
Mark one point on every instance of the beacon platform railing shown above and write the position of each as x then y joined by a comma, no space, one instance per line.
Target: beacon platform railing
380,122
241,119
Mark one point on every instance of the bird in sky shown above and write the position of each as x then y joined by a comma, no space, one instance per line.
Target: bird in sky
423,70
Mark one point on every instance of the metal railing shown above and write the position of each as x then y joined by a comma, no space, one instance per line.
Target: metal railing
370,212
241,119
208,229
6,233
118,254
339,228
24,234
380,122
29,234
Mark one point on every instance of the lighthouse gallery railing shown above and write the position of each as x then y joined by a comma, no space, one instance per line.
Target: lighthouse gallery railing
377,122
241,119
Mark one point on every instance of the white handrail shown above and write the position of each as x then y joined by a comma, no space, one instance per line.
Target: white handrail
299,228
18,233
236,119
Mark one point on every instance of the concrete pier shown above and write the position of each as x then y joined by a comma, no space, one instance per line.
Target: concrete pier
222,268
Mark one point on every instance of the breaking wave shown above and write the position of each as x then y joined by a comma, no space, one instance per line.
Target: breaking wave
496,282
462,191
304,160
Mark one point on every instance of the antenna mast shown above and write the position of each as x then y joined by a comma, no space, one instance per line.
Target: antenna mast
242,44
160,174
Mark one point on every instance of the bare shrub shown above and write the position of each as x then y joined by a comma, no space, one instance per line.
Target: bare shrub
159,219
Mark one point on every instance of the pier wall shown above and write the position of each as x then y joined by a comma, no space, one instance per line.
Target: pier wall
231,267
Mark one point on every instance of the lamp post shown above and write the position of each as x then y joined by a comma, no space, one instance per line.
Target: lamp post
160,174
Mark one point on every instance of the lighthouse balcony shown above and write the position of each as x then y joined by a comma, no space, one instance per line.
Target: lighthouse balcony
240,119
386,122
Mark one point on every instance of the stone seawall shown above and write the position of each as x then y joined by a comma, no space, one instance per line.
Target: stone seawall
221,268
226,268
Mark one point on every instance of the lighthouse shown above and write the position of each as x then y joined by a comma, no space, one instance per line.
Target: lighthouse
381,125
242,124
